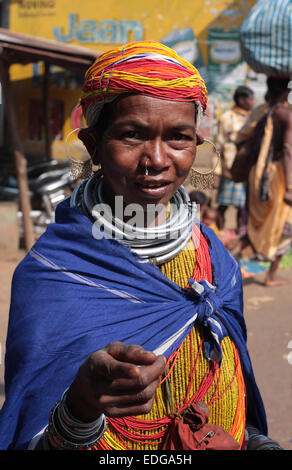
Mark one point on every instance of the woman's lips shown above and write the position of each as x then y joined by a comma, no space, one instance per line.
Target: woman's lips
155,189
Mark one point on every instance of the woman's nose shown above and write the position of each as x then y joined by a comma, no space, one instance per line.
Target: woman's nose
156,154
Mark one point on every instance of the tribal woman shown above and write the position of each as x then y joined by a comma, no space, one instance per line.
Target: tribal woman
130,335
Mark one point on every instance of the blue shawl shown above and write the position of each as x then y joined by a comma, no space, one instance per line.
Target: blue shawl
73,294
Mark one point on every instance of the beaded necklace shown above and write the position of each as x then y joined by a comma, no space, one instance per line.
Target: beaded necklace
221,388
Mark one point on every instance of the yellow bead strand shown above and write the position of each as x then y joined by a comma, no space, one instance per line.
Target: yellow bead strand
223,409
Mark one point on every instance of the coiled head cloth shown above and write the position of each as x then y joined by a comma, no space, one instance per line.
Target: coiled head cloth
145,68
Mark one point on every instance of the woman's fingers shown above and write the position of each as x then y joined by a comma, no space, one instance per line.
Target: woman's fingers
146,375
120,361
130,397
102,365
131,410
132,353
118,380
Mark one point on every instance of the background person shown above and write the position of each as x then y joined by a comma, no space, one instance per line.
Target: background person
201,199
229,192
269,227
210,217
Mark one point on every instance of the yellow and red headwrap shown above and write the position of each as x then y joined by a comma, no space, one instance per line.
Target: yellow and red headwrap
147,68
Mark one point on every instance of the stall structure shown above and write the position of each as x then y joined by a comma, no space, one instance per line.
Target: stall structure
16,48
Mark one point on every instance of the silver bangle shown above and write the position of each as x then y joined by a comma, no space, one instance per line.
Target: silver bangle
73,427
66,432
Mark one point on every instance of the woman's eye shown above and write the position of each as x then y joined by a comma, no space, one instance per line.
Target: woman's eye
131,135
180,136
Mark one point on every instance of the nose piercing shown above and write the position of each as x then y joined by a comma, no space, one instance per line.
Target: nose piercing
146,168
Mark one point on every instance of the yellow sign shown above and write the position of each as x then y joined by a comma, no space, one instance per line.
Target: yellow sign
205,32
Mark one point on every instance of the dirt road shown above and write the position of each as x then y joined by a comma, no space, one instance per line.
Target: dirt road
268,313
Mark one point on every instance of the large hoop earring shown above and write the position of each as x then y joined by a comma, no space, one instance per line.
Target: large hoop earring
81,169
205,179
81,165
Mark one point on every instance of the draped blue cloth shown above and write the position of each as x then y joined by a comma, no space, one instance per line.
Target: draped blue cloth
73,294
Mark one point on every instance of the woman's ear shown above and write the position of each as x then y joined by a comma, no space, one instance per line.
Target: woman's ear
200,139
89,140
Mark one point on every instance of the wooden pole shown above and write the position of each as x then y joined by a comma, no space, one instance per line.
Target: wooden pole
20,160
46,100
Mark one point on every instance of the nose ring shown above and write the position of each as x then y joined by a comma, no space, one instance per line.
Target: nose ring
146,168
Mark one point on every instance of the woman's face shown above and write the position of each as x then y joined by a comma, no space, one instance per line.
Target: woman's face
146,131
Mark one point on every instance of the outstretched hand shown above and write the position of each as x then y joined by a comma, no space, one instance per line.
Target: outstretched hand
118,380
